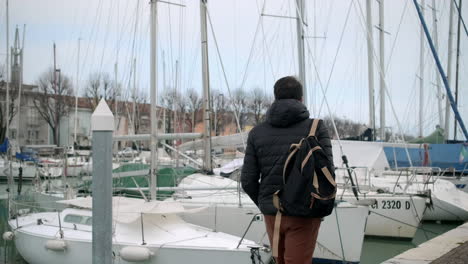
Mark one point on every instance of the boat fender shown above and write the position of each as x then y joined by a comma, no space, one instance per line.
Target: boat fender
56,245
135,254
8,236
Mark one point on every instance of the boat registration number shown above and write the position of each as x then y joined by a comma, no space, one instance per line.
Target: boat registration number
391,204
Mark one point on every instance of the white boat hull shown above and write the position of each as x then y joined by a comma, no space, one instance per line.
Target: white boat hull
32,249
74,170
168,238
460,182
29,172
449,203
346,223
397,216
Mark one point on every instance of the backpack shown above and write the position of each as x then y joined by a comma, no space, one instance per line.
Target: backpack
309,186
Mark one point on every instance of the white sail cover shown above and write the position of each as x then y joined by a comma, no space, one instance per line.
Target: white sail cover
360,154
230,167
127,210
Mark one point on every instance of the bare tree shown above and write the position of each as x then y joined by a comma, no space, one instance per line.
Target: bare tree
99,85
258,104
181,106
346,128
219,109
2,71
55,96
239,103
13,94
169,102
194,105
139,104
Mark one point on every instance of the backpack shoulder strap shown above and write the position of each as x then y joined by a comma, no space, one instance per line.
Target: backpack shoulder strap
313,127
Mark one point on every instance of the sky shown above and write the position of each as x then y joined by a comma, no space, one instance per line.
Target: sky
246,50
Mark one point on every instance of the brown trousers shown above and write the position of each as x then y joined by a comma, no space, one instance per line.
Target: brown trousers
298,236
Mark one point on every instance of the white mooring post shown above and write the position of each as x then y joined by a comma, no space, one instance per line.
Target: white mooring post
102,123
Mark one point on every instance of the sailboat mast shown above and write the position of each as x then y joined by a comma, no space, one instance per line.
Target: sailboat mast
449,70
207,163
436,45
457,64
382,67
153,93
370,67
7,72
421,75
56,138
116,94
17,52
76,92
300,48
134,96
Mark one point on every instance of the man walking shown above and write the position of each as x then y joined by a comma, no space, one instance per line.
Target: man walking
287,122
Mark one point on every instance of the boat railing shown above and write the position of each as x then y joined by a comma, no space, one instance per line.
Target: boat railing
24,208
256,217
408,176
465,169
19,208
362,182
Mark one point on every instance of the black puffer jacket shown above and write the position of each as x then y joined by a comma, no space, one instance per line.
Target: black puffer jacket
267,148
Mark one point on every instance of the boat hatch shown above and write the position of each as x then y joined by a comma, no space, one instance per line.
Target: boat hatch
78,219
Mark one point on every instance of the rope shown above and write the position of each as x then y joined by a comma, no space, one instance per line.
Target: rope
336,54
401,222
264,38
397,33
447,211
254,252
461,17
339,235
236,116
5,250
417,215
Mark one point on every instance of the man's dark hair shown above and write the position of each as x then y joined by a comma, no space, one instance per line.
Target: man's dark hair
288,88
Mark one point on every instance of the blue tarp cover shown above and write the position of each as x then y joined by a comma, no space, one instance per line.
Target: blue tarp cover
4,146
444,156
24,157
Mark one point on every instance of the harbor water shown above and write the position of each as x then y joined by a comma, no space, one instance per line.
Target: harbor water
375,250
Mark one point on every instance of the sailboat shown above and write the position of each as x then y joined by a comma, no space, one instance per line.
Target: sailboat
149,232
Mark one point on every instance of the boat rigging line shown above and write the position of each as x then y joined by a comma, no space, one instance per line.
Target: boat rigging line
336,55
236,115
384,82
441,71
458,8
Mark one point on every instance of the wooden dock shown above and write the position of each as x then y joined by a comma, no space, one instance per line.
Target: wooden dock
448,248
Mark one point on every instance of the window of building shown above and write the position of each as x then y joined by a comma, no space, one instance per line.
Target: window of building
33,117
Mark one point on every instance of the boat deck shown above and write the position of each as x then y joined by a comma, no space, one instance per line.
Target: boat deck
448,248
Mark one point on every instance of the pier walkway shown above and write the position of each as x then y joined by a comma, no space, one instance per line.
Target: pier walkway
458,255
448,248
